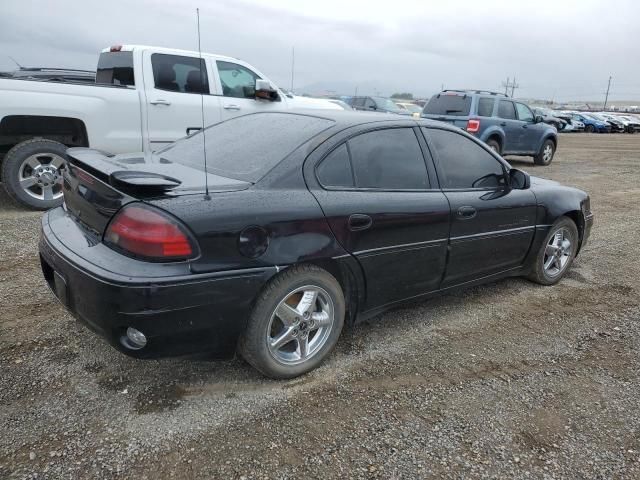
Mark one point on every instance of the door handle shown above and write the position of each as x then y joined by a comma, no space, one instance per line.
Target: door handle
467,212
160,101
358,221
231,107
525,126
503,124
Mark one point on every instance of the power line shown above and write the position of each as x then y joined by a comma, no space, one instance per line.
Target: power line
510,85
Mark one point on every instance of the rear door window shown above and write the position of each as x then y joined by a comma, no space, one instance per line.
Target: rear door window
389,160
506,110
485,107
449,104
177,73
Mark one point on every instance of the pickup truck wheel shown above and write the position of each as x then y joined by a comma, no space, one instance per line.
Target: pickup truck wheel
545,155
31,173
295,323
556,252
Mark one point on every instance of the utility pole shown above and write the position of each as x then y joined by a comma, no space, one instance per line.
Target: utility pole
514,85
607,95
506,86
293,59
510,85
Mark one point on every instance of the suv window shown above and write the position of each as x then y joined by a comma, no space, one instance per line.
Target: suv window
449,104
177,73
357,101
506,110
485,106
463,163
237,81
335,169
388,159
368,103
115,68
524,112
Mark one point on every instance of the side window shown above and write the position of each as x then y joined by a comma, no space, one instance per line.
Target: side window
465,164
506,110
369,103
179,74
357,102
524,112
389,160
485,107
335,169
237,81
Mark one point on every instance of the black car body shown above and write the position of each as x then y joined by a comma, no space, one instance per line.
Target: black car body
550,118
376,104
374,200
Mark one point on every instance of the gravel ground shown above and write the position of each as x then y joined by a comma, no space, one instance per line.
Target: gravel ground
508,380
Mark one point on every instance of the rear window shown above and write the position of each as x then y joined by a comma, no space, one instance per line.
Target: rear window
267,138
115,68
445,104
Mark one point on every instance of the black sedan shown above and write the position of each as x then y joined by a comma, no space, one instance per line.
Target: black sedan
302,222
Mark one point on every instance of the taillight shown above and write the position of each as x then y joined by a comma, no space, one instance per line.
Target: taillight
139,230
473,125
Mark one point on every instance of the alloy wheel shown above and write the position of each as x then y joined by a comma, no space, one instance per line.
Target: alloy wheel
557,253
300,325
40,176
547,153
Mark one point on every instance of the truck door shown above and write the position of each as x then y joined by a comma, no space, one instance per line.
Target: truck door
173,86
237,85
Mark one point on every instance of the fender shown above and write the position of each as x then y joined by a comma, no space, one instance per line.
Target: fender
493,130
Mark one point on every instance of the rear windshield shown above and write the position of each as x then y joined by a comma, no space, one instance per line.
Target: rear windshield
246,147
445,104
115,68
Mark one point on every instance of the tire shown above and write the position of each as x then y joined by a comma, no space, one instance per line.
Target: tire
36,162
630,129
493,144
589,128
546,153
555,272
265,324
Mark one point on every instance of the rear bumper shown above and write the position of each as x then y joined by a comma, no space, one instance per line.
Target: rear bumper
179,315
588,224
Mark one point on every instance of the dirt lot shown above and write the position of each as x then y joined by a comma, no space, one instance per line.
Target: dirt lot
509,380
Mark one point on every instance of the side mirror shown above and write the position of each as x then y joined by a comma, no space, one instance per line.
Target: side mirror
264,91
538,119
519,180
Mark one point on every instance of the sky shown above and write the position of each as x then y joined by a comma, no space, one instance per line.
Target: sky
557,50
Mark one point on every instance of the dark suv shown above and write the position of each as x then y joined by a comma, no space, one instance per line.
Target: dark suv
507,126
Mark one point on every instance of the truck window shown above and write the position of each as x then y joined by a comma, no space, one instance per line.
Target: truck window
485,106
115,68
177,73
506,110
237,81
449,104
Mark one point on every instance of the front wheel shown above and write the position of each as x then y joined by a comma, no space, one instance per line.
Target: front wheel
295,323
556,253
545,155
31,173
589,129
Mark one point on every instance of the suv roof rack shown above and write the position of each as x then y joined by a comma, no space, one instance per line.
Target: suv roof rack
475,91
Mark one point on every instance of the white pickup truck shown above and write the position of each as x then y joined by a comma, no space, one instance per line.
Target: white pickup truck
144,98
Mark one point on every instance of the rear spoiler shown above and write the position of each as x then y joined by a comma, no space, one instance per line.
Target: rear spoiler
101,166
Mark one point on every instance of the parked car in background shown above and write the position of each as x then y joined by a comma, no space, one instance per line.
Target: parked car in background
340,103
311,222
377,104
618,125
144,98
507,126
573,126
412,108
632,122
591,124
549,117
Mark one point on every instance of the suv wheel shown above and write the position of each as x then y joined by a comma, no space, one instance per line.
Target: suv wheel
493,144
545,155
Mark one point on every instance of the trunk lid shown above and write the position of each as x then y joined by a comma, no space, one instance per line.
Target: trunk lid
96,185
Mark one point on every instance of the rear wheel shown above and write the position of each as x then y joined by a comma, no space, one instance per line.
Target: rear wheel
556,253
589,128
31,173
545,155
493,144
295,323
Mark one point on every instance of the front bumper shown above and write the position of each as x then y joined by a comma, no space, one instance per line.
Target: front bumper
179,314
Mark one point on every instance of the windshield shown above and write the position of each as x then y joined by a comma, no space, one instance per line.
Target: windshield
246,147
412,108
386,104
